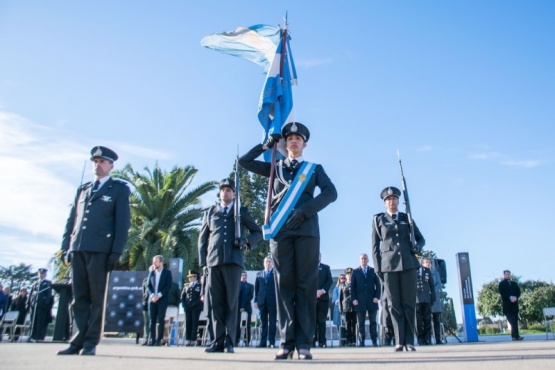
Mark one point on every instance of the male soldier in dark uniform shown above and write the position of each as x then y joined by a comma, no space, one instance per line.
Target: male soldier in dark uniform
223,256
41,302
295,234
396,265
265,301
94,238
510,295
425,296
192,304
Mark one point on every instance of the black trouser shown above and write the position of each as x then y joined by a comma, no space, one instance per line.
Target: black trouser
512,318
157,312
296,260
351,324
224,283
400,292
89,283
268,320
322,308
361,319
424,322
436,317
40,323
192,315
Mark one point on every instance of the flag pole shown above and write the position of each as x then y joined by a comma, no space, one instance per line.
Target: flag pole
274,148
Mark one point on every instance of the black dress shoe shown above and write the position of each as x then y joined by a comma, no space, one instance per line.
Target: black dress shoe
410,347
261,346
157,343
304,354
88,351
518,338
283,354
398,349
229,349
214,348
71,350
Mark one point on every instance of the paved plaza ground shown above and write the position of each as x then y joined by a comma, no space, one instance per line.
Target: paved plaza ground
120,353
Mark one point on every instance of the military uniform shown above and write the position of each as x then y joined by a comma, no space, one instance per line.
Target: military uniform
347,309
224,260
395,262
425,295
41,301
192,304
295,251
94,238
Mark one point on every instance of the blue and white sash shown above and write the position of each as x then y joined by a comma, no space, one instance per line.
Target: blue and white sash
289,200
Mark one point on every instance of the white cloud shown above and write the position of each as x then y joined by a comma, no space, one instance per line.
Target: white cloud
522,163
485,155
41,170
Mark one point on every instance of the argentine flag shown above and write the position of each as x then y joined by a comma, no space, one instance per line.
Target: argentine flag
275,107
255,43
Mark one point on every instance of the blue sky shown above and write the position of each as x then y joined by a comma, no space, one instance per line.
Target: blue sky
465,91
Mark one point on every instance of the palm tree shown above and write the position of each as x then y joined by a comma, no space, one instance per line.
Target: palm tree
165,215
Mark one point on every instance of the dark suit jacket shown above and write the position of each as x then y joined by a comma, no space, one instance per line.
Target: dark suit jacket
364,290
99,222
307,202
164,285
265,292
507,290
217,235
324,281
391,249
246,298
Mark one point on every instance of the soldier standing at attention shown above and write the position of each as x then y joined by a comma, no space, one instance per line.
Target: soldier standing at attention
294,234
41,301
94,237
192,304
425,296
397,266
223,259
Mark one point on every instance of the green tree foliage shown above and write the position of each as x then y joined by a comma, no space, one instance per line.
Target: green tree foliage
535,295
253,196
17,277
165,215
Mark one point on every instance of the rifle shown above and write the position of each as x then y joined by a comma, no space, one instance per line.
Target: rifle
414,248
238,242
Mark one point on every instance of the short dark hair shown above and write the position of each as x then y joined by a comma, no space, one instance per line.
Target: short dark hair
505,271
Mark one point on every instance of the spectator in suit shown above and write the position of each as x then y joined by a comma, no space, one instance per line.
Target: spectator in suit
159,285
20,304
246,294
366,290
510,295
322,303
93,240
425,296
41,301
265,301
192,304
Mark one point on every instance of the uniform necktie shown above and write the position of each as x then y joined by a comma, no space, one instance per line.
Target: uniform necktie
266,274
294,164
364,270
225,211
394,216
96,185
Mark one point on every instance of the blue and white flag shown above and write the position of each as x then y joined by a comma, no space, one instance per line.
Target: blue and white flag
275,108
255,43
